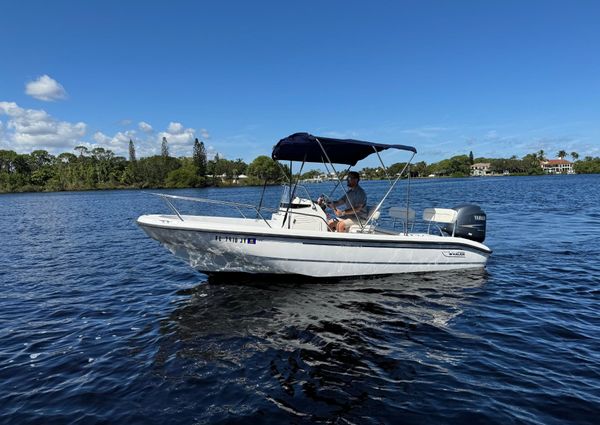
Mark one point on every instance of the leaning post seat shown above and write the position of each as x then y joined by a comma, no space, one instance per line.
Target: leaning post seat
403,215
439,215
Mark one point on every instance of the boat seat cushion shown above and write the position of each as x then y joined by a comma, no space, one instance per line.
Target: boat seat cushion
440,215
401,213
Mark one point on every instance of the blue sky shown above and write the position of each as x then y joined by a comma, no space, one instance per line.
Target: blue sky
498,78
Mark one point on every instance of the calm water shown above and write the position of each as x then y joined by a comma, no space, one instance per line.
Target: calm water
100,324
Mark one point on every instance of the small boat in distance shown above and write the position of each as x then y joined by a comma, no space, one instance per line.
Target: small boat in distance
296,238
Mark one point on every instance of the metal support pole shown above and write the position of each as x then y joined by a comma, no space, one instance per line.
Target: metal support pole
407,201
391,187
340,182
383,165
172,207
292,191
262,197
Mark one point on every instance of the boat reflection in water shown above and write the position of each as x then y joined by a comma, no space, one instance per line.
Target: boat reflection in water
319,351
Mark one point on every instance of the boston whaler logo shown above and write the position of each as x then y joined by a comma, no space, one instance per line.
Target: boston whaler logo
235,239
459,254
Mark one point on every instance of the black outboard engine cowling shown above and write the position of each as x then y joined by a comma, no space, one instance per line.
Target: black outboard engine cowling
470,223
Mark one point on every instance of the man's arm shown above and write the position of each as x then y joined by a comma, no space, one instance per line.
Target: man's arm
348,210
340,201
360,200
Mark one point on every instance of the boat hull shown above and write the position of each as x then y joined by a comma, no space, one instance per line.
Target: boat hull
266,251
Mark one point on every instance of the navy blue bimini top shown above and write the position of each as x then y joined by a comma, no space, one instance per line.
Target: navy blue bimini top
305,147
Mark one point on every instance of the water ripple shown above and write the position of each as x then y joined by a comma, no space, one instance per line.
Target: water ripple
99,324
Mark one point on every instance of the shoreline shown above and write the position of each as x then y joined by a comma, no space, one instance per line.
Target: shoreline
228,186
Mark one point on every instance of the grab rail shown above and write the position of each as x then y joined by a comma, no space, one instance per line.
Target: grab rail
236,205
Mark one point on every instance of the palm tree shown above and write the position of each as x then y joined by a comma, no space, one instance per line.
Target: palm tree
561,154
575,156
541,155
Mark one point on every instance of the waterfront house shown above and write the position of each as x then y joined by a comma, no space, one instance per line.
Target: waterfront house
481,169
236,179
557,166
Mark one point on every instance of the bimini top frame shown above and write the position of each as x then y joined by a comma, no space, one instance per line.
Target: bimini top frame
308,148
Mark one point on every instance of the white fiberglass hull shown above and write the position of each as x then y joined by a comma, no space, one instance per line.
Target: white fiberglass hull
217,245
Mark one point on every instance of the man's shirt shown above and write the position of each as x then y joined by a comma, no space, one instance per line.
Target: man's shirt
355,196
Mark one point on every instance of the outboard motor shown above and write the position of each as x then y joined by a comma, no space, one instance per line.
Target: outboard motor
470,223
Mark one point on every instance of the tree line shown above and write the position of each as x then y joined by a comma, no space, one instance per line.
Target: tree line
460,166
530,163
100,168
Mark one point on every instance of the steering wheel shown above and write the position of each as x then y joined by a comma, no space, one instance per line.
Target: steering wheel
325,198
323,201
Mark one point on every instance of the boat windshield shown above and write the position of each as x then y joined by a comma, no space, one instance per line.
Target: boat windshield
288,194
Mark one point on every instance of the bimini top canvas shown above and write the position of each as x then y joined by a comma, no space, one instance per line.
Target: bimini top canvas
309,148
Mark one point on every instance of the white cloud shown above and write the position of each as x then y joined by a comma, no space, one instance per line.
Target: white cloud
119,143
28,129
126,122
180,139
211,152
25,130
101,138
204,134
175,128
122,138
340,134
145,127
46,88
426,132
492,134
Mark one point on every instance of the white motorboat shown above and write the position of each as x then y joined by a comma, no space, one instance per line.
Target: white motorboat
296,239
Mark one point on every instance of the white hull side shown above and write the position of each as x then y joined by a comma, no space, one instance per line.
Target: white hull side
213,251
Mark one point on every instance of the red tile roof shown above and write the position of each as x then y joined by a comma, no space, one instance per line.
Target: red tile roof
556,162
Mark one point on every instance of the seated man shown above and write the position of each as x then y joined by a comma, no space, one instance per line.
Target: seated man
355,197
